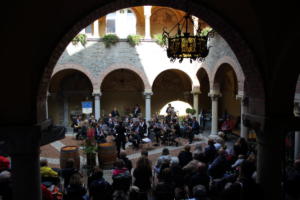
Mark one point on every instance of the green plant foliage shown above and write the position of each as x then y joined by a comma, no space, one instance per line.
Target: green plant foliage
110,39
79,38
89,146
190,111
159,40
205,31
134,40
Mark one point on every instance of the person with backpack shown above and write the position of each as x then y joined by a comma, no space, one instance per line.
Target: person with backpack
75,189
99,188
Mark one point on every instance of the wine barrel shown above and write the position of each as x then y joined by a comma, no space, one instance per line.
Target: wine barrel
107,154
67,152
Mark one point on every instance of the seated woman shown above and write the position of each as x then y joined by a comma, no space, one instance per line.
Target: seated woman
47,173
121,177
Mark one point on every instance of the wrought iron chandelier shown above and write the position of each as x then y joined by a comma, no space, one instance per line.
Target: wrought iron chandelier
185,45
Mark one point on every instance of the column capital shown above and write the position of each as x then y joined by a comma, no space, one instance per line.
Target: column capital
147,11
196,90
98,94
214,94
148,92
243,98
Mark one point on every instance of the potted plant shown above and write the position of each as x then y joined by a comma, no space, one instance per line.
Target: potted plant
110,39
159,40
90,149
190,111
79,38
134,40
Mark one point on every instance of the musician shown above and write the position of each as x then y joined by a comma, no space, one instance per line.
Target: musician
157,127
142,128
76,124
115,113
170,109
195,129
136,111
120,137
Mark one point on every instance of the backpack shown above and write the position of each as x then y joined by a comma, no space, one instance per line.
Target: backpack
101,188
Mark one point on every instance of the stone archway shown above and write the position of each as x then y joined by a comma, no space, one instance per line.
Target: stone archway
236,68
123,89
114,67
204,79
68,88
254,89
84,70
171,85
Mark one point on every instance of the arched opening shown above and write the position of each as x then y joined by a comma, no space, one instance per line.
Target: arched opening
68,88
162,17
171,85
228,104
123,89
121,22
180,108
204,100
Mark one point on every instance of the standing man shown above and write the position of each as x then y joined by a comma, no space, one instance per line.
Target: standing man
120,137
115,113
136,111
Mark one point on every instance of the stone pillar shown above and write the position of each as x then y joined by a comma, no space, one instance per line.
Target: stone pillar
147,13
148,94
196,92
269,158
297,145
47,109
214,95
244,107
96,29
66,111
97,105
24,149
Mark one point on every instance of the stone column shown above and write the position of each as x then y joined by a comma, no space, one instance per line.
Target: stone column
96,29
269,157
47,110
148,94
214,95
244,107
147,13
24,148
66,111
297,145
97,105
196,92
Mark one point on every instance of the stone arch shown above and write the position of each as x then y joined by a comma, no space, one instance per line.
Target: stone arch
176,69
236,68
207,72
254,85
84,70
114,67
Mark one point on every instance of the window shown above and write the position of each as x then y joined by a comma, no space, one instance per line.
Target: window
121,22
88,29
111,23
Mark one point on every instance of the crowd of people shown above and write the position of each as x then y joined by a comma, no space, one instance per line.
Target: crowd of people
210,171
206,171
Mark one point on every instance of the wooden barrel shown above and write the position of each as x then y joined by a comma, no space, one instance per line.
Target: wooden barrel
107,154
67,152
